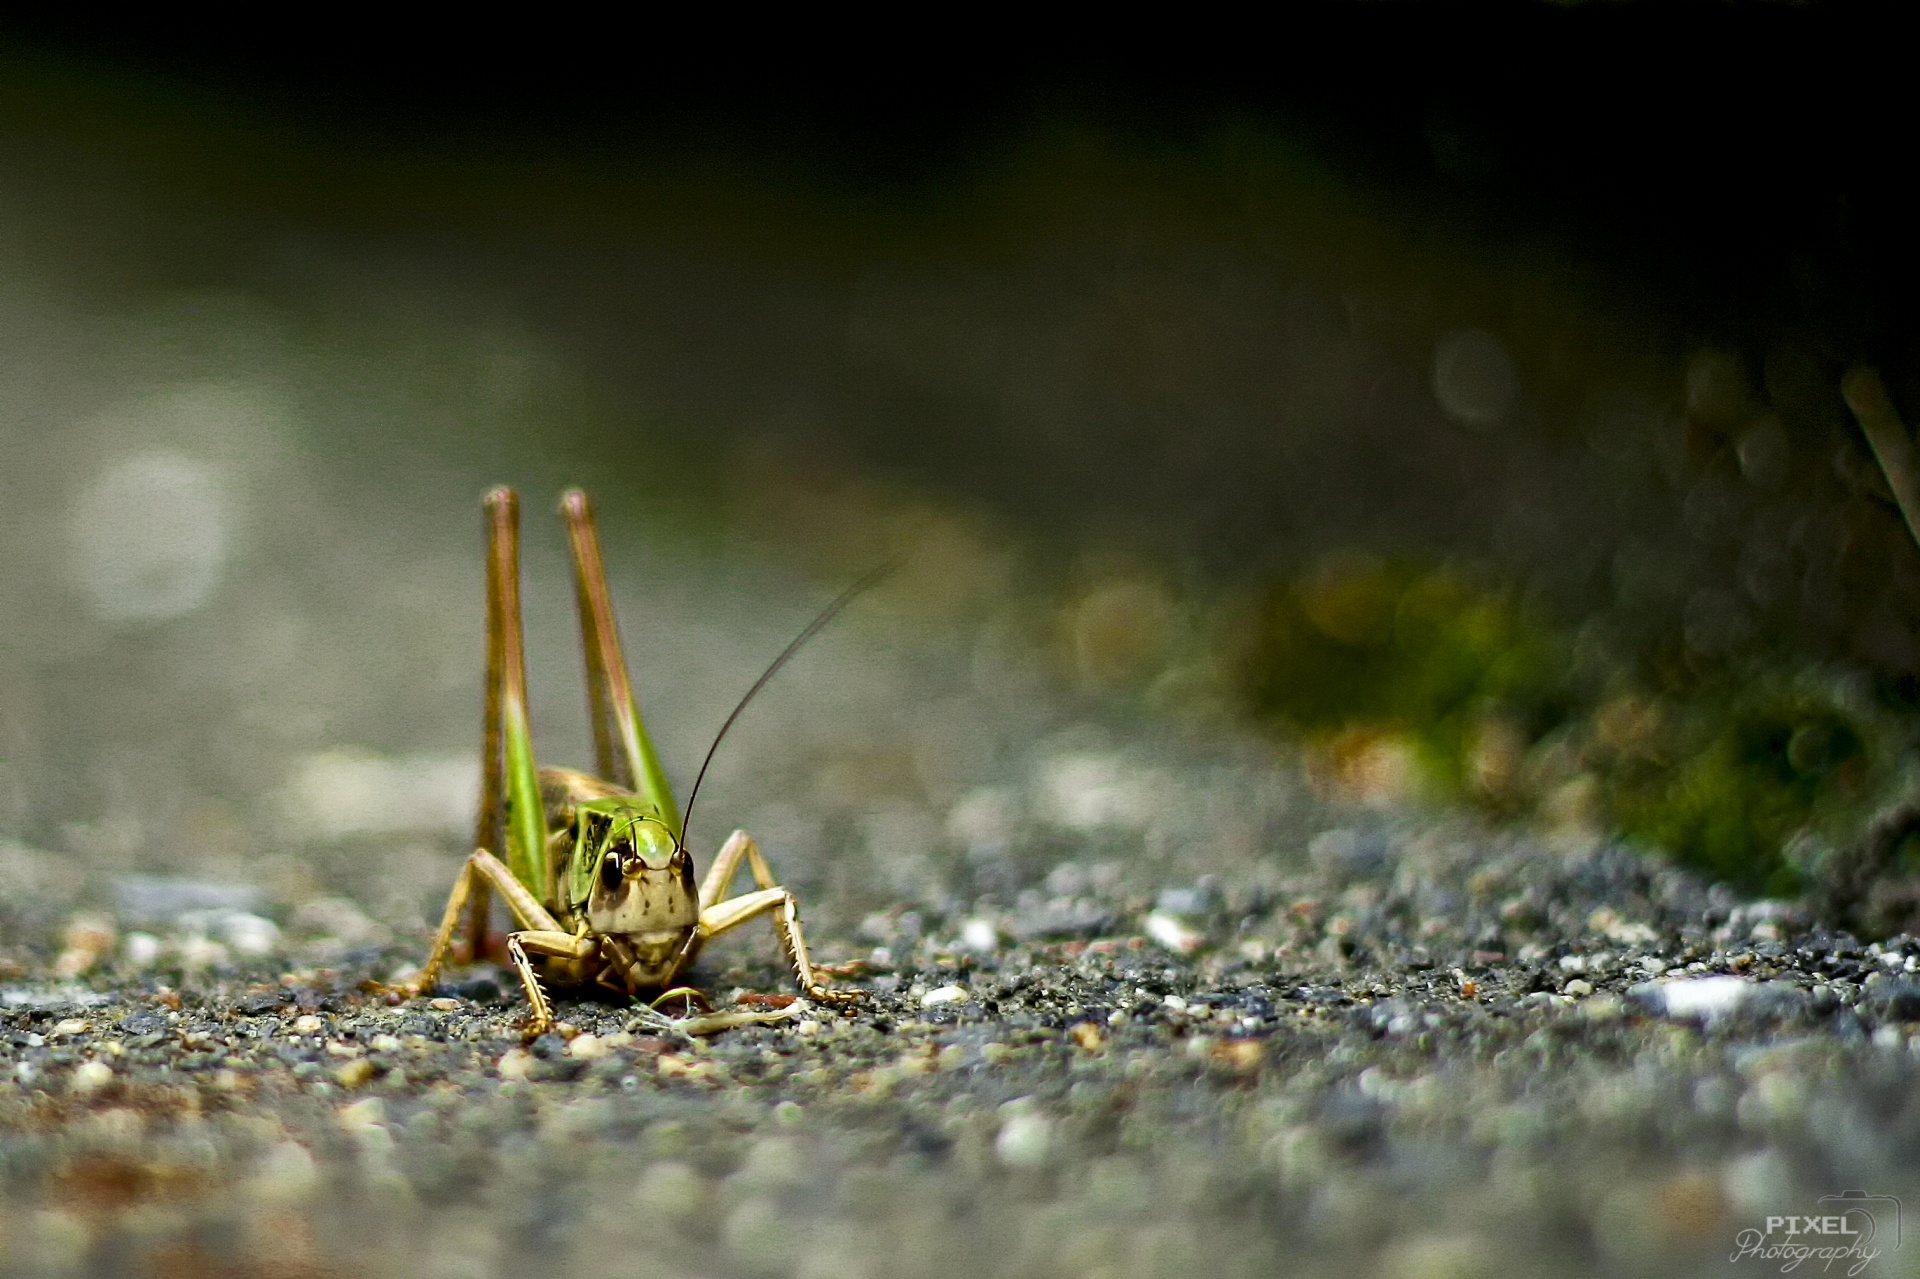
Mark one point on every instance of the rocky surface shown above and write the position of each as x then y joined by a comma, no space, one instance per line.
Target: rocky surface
1421,1055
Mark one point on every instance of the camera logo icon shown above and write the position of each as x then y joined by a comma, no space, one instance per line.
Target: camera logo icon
1872,1216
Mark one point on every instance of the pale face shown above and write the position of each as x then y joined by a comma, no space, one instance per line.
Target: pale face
644,893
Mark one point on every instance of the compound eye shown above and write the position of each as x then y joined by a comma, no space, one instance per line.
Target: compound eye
610,871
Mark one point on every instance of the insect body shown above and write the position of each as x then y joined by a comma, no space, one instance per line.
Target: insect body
595,870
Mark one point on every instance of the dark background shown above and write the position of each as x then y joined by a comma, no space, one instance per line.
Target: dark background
1148,305
1737,164
1710,176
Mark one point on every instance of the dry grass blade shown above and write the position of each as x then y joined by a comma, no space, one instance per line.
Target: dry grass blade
1892,444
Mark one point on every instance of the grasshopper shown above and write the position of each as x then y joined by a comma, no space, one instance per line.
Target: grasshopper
596,871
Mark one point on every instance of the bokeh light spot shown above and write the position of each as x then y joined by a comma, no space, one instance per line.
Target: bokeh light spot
150,536
1474,378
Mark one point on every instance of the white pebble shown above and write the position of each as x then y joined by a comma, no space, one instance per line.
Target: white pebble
308,1024
1173,934
980,936
250,934
1024,1141
141,949
89,1076
950,994
1706,997
515,1063
199,952
587,1046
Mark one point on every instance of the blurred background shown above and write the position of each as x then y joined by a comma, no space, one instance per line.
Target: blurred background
1408,406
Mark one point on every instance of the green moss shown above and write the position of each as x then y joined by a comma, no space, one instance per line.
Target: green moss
1741,775
1405,648
1726,775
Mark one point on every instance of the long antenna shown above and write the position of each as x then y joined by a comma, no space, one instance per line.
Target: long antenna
827,614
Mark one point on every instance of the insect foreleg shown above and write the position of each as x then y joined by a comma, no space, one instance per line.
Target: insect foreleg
553,942
481,870
740,847
717,917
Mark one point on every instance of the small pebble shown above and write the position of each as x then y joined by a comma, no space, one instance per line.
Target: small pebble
367,1113
980,936
249,934
354,1073
286,1174
1579,988
1024,1141
91,1076
1710,998
308,1024
950,994
1171,933
587,1046
1239,1056
88,939
1603,1007
515,1063
670,1190
202,952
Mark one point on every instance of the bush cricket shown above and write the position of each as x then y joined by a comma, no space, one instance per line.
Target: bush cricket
596,871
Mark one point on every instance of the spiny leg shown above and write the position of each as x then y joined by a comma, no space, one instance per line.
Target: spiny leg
717,916
561,945
482,869
622,748
740,847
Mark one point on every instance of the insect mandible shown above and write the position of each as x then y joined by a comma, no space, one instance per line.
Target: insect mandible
596,872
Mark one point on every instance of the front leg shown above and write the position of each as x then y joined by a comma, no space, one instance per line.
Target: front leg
539,930
718,916
543,942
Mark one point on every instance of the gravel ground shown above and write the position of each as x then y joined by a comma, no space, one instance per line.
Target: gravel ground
1425,1053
